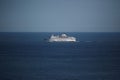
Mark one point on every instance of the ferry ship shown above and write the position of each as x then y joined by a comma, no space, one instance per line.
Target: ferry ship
62,38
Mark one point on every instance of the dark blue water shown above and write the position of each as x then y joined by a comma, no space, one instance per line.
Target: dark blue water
28,56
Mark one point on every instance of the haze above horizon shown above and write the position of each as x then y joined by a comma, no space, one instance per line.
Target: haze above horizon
60,16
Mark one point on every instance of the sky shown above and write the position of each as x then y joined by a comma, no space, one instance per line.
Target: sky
59,15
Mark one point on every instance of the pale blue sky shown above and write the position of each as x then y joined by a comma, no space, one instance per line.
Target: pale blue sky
60,15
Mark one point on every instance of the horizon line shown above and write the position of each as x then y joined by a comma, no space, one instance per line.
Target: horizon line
63,31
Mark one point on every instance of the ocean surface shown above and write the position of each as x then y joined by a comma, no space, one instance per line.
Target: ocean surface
29,56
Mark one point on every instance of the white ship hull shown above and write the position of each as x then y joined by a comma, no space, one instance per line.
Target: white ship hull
62,40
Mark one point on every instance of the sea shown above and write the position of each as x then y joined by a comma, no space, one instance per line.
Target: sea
29,56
